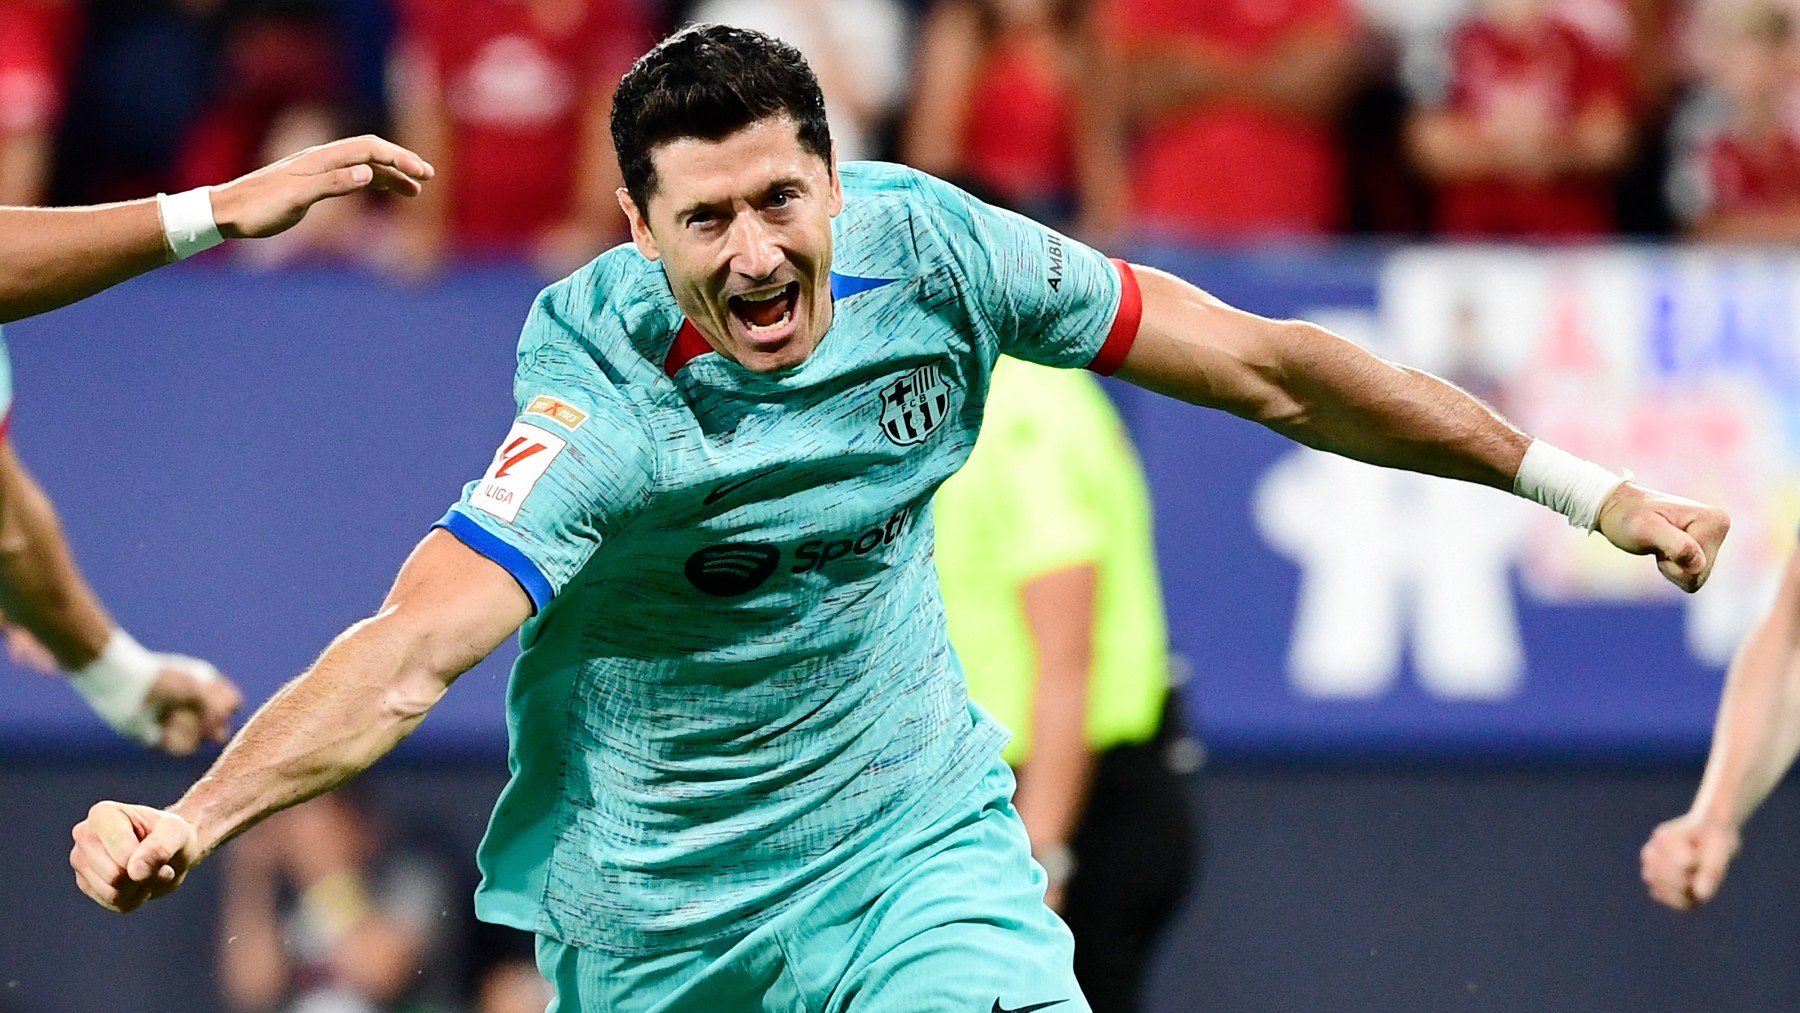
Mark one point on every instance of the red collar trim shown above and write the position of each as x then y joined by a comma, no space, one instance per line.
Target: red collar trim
688,346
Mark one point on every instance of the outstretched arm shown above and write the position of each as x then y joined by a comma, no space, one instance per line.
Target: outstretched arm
448,609
163,700
1755,740
1326,392
51,257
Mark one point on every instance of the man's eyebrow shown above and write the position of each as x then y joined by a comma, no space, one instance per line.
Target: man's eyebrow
697,206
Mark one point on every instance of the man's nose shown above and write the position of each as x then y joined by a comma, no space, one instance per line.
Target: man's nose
754,252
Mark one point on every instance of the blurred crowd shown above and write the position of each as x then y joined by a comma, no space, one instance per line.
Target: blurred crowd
1193,120
330,907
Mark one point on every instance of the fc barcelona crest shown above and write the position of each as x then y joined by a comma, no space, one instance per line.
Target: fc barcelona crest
913,406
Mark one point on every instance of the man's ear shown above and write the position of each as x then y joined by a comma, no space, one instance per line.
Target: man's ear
837,184
640,226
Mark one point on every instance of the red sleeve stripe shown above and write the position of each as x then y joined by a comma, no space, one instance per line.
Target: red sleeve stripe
6,424
1124,326
688,346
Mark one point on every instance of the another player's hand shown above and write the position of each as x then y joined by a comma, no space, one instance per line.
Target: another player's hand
274,198
1686,858
190,703
126,854
1683,535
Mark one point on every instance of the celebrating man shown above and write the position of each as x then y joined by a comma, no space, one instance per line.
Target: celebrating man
746,775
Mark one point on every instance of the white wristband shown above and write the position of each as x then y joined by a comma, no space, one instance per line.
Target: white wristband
116,684
1567,484
187,221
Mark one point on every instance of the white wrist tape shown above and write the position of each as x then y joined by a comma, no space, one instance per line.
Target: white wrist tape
1567,484
187,221
116,683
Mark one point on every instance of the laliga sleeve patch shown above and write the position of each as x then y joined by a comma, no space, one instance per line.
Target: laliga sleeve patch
522,460
561,412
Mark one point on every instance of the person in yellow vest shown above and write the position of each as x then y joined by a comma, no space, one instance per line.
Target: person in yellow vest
1047,562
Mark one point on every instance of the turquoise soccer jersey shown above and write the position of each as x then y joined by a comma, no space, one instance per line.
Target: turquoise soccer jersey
6,388
737,673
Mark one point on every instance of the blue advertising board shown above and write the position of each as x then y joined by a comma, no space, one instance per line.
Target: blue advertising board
243,460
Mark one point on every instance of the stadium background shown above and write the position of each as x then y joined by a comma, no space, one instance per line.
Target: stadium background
1439,725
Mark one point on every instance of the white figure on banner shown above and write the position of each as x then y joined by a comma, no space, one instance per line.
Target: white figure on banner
1398,561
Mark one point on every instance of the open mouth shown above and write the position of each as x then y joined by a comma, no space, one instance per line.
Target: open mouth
766,313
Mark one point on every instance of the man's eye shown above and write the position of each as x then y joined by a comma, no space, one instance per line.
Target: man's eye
781,198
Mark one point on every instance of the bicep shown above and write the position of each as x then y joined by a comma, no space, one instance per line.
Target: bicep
1194,347
464,604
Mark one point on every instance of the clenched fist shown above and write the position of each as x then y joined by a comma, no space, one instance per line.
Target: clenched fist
1686,858
1683,535
127,854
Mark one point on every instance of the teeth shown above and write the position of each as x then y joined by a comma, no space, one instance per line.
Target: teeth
766,296
777,325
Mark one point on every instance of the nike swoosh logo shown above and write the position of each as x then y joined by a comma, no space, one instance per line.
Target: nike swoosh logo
720,492
1027,1009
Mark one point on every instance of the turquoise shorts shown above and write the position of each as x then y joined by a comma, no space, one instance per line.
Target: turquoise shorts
950,918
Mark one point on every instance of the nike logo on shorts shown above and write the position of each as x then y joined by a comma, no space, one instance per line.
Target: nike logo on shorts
1027,1009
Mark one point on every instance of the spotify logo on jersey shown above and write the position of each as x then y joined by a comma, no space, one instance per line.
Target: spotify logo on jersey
731,569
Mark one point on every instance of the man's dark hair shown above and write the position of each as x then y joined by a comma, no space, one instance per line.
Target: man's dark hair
708,82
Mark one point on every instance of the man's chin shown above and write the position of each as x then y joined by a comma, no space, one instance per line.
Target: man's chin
774,360
772,353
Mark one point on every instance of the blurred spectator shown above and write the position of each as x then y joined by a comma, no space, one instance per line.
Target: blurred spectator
1533,130
858,48
998,108
510,100
1736,173
513,987
1047,560
283,88
145,70
36,39
1236,103
322,915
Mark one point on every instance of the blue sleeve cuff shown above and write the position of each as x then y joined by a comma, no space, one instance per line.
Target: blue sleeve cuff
496,549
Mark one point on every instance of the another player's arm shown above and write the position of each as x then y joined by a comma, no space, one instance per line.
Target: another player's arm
169,701
1755,740
41,589
449,608
1326,392
51,257
1053,785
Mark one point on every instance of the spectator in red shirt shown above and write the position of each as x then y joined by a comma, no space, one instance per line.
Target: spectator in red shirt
512,99
1736,171
1535,128
35,40
1002,105
1236,101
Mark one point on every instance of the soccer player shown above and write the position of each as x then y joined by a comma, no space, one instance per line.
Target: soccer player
1755,740
1047,560
51,257
745,772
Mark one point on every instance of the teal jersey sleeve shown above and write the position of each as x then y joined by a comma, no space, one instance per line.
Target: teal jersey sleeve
1050,299
6,388
575,467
